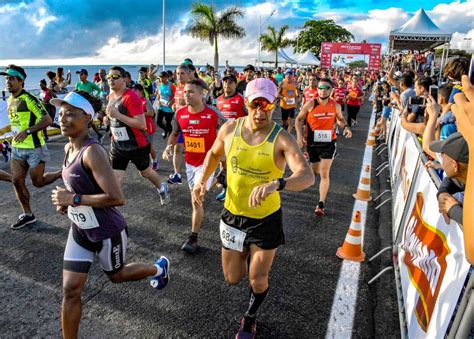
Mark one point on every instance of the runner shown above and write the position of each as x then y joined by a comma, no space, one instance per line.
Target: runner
310,92
288,93
249,75
28,118
354,100
6,150
232,106
339,94
182,73
150,122
129,139
257,151
198,124
86,85
319,117
165,99
98,229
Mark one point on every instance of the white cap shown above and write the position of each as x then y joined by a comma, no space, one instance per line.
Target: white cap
76,100
398,74
202,69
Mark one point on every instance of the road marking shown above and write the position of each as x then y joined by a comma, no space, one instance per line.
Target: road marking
341,320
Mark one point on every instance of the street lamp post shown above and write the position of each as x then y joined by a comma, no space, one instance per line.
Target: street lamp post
164,44
260,33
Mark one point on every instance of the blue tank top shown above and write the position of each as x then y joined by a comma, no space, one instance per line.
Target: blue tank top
79,180
447,124
165,96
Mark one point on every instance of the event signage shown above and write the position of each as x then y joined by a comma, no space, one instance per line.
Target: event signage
432,263
342,54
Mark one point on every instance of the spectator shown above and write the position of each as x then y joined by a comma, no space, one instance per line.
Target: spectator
85,85
129,83
463,110
52,84
454,155
62,83
412,118
454,70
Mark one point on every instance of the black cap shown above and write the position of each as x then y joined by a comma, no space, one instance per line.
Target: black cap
82,71
454,146
249,68
230,77
10,70
143,69
164,74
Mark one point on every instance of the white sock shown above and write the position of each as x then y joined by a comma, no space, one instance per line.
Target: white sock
159,270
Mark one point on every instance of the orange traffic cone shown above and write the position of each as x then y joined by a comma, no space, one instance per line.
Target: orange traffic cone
363,191
371,139
351,249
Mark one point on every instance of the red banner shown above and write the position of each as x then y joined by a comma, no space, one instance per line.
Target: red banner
332,54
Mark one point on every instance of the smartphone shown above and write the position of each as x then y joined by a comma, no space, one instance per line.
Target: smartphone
417,101
471,70
434,92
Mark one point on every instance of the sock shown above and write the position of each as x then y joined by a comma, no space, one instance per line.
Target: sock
194,236
162,188
255,301
321,204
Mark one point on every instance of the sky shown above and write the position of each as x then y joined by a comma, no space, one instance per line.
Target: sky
92,32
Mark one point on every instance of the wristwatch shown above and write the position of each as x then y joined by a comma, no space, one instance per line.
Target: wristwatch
281,183
76,200
28,131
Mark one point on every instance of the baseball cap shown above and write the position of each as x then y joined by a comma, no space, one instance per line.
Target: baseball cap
82,71
231,77
15,71
454,146
261,88
164,74
289,71
76,100
202,69
143,69
187,61
249,68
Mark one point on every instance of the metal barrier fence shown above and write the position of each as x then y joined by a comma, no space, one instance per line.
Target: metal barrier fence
434,281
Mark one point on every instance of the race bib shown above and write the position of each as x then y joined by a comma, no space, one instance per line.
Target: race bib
120,133
163,102
194,145
290,101
322,135
83,216
231,237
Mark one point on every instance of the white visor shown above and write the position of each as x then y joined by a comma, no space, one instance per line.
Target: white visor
75,100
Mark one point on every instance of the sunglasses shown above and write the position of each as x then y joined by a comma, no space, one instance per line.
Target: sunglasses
324,87
114,76
264,104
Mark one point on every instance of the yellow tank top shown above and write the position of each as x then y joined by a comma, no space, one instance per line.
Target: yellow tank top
247,167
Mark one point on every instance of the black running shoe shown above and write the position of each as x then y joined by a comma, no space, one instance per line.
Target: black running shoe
248,328
319,211
23,220
191,245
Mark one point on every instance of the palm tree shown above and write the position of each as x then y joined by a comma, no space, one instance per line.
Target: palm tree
273,40
209,24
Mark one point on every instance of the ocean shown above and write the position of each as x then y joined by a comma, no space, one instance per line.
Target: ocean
36,73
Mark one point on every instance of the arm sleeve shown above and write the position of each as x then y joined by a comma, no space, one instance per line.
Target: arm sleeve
455,213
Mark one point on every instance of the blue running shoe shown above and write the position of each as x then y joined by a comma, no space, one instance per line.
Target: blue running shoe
6,151
221,196
175,179
160,281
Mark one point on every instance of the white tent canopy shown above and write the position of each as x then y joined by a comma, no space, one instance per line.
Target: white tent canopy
308,59
269,58
418,33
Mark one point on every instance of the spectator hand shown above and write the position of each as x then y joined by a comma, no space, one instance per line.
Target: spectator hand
433,164
445,202
463,110
432,107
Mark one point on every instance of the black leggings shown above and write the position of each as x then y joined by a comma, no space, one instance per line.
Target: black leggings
352,113
168,128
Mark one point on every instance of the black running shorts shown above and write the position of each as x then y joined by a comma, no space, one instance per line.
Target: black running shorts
266,233
139,157
322,150
287,113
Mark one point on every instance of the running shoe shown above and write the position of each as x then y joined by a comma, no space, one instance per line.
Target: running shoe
164,194
221,196
6,151
163,135
319,211
175,179
248,328
191,245
161,280
154,165
23,220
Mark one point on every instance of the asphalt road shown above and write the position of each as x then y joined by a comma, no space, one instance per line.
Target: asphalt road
197,302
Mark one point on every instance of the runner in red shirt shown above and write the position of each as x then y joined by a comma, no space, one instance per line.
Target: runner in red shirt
339,93
310,92
129,139
354,100
198,125
231,104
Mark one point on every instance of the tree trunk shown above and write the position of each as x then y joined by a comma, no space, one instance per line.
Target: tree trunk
276,58
216,55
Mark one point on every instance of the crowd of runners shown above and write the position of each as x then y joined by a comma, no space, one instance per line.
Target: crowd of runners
219,129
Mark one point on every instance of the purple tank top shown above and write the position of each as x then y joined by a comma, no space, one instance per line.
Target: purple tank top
79,180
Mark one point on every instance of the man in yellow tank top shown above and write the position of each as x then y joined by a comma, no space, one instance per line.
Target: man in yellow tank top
257,151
